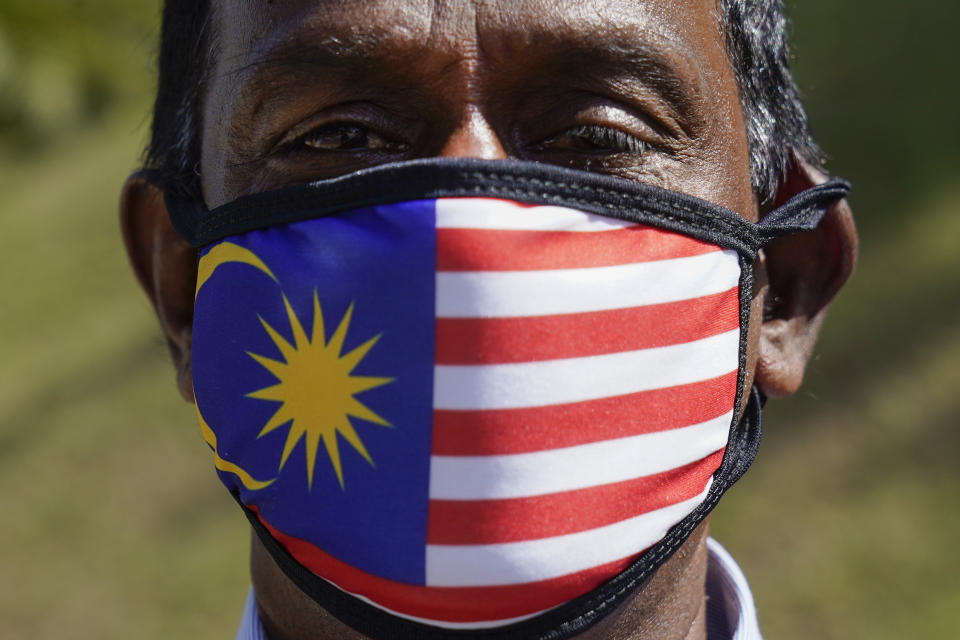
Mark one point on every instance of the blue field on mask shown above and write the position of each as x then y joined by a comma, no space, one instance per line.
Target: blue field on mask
382,260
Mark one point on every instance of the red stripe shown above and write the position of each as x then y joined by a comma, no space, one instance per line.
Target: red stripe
495,521
504,431
449,604
464,341
511,250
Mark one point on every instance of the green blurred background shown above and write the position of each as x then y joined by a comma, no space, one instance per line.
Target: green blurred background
114,525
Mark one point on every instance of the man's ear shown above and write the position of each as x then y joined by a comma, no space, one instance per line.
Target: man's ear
805,271
166,267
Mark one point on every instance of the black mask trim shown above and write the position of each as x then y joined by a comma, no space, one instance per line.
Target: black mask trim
531,182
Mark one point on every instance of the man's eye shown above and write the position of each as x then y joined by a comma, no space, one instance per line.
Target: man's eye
593,139
346,137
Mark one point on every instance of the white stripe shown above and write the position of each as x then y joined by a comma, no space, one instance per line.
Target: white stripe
534,560
565,380
510,294
488,213
521,475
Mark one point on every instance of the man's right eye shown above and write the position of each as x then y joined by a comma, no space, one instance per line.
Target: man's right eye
346,137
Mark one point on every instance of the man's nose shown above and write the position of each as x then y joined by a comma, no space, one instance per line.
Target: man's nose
473,137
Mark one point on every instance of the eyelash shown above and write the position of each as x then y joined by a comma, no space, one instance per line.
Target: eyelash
601,138
347,133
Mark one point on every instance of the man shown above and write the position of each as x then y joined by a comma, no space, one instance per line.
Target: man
693,96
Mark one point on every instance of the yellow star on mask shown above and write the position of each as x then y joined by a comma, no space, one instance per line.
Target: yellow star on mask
317,389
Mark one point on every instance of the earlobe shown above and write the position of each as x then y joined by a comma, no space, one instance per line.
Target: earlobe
805,271
165,266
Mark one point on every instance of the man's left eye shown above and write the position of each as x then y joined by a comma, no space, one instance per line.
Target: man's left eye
594,139
345,137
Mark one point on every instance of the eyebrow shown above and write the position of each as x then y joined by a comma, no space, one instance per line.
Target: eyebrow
670,72
310,54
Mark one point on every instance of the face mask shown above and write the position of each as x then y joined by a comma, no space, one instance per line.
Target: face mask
476,398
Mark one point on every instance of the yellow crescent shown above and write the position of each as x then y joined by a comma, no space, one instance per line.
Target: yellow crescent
222,254
225,465
227,252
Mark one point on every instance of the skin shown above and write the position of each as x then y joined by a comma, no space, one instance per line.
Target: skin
640,89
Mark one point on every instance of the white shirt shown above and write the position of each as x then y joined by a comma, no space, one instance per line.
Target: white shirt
730,611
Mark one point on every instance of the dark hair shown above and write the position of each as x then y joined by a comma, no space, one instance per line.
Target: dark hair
173,154
756,34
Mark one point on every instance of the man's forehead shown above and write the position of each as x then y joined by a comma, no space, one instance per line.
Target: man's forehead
496,27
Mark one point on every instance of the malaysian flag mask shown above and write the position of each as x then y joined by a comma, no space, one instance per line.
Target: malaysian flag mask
478,398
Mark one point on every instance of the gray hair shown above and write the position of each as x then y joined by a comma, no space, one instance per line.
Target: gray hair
777,126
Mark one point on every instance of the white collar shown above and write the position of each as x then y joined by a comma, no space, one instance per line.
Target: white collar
730,610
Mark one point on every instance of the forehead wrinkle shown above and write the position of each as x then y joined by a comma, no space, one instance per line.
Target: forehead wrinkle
338,37
284,54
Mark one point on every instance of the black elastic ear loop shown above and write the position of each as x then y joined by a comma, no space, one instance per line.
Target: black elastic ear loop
185,217
803,212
